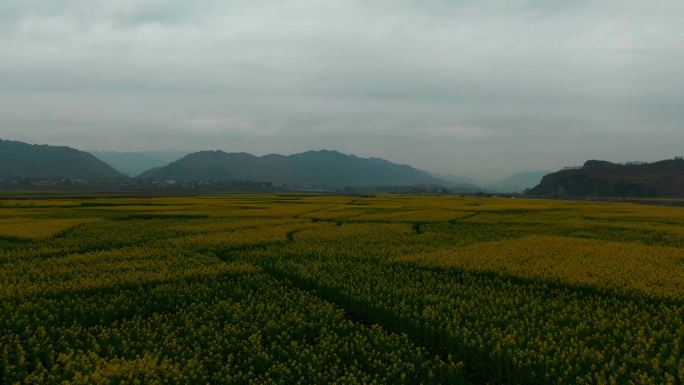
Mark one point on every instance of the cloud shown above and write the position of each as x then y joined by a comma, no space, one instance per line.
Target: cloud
464,87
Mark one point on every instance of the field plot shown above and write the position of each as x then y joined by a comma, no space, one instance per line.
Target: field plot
270,289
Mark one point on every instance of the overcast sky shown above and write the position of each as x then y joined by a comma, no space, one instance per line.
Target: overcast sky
482,88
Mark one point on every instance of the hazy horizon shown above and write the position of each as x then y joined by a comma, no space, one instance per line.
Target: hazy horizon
479,89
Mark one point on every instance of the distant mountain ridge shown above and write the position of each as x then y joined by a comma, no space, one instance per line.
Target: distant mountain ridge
460,182
134,163
519,181
311,168
325,168
598,178
23,160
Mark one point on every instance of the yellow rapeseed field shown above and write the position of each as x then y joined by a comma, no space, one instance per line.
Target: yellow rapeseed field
322,289
620,266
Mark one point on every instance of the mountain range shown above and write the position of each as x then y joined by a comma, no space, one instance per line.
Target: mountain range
23,160
331,169
323,168
598,178
311,168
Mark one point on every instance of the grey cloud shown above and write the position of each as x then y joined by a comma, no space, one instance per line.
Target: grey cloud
461,87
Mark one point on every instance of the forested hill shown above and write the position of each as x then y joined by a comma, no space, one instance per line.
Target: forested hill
23,160
311,168
598,178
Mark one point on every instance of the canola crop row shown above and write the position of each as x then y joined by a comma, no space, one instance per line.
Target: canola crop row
507,330
655,271
233,326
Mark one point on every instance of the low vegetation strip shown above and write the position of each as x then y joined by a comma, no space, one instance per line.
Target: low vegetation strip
37,228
